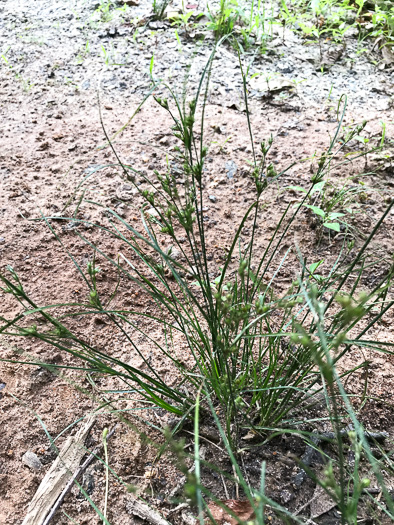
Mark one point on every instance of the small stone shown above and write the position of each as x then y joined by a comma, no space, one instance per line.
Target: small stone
121,210
152,212
193,273
212,198
286,496
217,128
164,141
173,252
43,146
2,240
156,24
31,460
126,192
231,169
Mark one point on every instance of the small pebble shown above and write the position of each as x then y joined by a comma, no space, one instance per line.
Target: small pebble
31,460
164,141
231,169
152,212
173,252
212,198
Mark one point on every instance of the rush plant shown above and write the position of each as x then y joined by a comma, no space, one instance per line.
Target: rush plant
247,345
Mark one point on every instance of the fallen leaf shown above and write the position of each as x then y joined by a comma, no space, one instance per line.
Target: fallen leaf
242,509
173,15
273,84
388,55
321,502
332,55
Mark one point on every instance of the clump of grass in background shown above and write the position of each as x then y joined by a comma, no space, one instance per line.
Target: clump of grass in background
254,355
159,8
223,21
335,206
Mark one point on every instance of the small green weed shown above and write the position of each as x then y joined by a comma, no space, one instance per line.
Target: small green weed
331,19
335,206
105,11
183,20
26,84
110,55
223,21
83,53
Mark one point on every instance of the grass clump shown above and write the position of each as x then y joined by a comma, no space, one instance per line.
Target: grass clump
239,331
222,21
159,8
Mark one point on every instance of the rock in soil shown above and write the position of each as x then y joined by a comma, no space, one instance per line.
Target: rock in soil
31,460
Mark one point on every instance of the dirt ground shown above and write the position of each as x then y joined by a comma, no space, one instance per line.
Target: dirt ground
51,141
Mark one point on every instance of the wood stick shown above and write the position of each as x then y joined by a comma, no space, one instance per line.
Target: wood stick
51,486
74,477
145,512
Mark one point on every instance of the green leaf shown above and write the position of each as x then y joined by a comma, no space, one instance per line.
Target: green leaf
314,266
151,64
361,139
333,216
297,188
284,7
333,226
318,187
316,210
